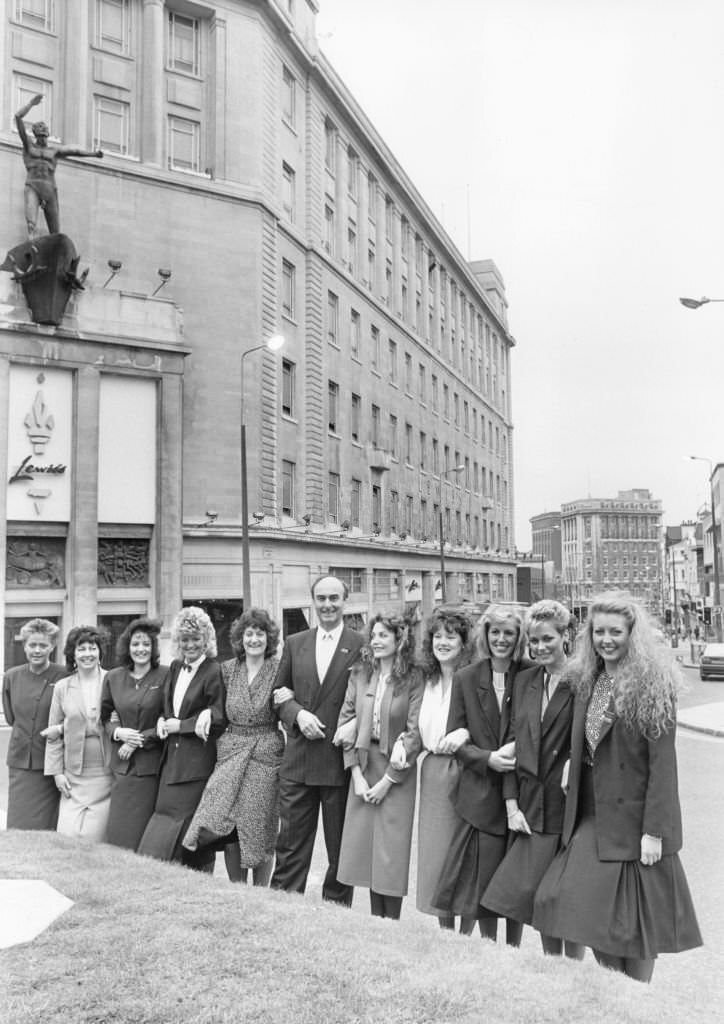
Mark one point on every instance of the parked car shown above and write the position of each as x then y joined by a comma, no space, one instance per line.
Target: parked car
711,665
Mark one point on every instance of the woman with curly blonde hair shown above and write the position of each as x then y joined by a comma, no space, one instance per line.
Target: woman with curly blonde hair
617,884
192,717
378,729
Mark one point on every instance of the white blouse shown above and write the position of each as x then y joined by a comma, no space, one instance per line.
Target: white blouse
434,712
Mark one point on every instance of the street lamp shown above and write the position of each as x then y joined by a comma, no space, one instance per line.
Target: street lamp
695,303
443,584
716,610
273,343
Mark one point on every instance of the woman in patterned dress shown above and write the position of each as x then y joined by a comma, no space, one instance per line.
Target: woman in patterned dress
241,799
617,884
131,705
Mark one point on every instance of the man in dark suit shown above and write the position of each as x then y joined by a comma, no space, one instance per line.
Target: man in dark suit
311,682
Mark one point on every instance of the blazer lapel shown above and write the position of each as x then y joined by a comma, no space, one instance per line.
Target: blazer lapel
340,660
195,685
487,699
557,702
534,699
308,655
609,717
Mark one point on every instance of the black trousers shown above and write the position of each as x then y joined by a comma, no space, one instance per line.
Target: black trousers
299,807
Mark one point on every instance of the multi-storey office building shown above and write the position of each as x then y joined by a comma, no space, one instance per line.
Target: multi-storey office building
613,543
237,160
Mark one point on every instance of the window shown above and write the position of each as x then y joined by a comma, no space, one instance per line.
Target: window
332,318
355,500
352,577
423,518
183,44
332,405
288,388
393,361
352,248
330,147
375,425
371,268
329,228
110,125
421,382
408,373
435,455
289,470
113,26
184,145
404,237
446,401
352,173
409,506
355,417
456,408
466,417
27,86
376,507
388,283
423,450
389,213
35,13
333,497
408,444
289,98
434,389
394,439
289,190
289,273
354,333
375,347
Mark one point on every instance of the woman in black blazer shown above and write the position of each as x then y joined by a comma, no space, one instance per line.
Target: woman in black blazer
478,721
540,726
193,716
617,884
131,704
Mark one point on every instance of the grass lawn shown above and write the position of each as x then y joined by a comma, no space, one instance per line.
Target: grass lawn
150,942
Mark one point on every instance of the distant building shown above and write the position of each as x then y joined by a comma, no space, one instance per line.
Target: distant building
681,582
546,531
612,543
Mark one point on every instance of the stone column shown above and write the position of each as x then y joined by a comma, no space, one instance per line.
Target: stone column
217,120
168,536
83,526
153,97
75,105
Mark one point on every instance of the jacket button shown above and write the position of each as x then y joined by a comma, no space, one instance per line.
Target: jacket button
620,800
622,766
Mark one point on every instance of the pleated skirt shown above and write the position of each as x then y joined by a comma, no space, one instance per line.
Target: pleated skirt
512,889
471,861
437,821
377,838
621,908
32,799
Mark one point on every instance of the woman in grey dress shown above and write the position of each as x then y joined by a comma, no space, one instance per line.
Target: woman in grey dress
240,805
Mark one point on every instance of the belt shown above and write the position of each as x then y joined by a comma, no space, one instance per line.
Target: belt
373,740
242,730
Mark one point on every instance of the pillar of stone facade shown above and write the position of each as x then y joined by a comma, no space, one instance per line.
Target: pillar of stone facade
4,404
152,94
217,49
75,107
83,526
169,503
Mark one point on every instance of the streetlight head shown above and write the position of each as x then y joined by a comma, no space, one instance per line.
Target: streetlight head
694,303
275,342
458,469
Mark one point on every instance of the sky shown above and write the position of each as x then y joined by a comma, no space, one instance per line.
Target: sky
580,145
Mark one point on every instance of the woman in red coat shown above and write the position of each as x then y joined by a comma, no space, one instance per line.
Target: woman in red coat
617,884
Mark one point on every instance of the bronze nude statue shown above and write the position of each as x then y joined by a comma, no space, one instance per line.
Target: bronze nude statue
40,160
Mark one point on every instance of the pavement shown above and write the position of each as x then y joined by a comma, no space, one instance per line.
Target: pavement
699,715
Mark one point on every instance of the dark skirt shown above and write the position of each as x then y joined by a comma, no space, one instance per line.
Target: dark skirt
471,862
513,886
133,799
33,799
175,807
621,908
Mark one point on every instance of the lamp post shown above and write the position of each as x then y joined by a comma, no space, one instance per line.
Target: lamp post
716,610
696,303
273,343
443,585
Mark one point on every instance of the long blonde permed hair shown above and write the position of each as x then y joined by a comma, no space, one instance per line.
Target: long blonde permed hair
647,681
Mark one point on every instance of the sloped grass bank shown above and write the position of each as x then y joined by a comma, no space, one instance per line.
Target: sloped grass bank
150,943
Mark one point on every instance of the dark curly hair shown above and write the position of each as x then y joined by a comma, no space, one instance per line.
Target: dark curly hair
82,635
405,642
259,619
452,621
152,628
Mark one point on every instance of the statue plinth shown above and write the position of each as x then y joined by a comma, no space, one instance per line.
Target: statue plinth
46,269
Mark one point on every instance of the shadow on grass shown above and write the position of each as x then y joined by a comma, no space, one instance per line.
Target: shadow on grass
151,943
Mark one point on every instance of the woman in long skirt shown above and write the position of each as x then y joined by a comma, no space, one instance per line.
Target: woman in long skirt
446,647
78,752
381,706
27,692
617,884
193,716
240,806
131,704
479,711
540,726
